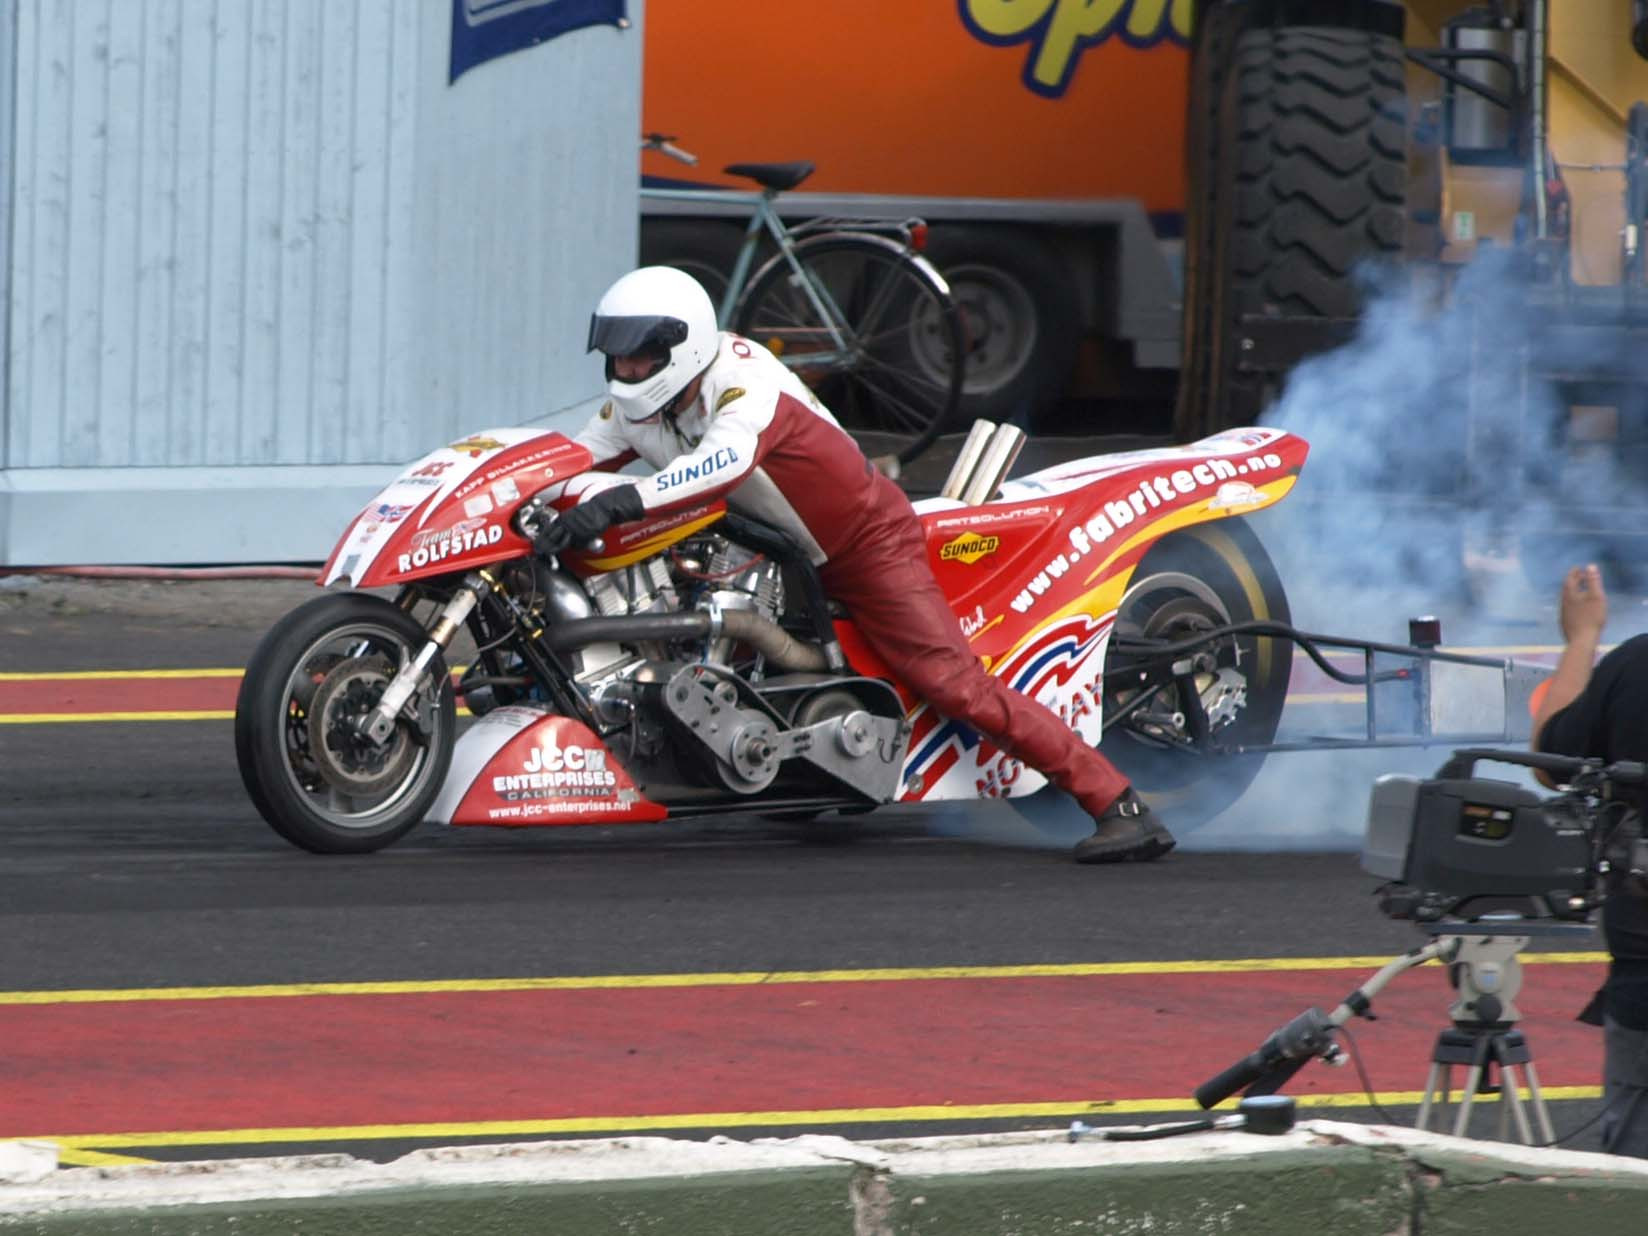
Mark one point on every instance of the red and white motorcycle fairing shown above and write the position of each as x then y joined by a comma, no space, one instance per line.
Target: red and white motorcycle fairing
1064,542
1035,578
451,510
522,765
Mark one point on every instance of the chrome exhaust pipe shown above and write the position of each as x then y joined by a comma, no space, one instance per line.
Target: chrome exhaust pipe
967,461
997,461
746,626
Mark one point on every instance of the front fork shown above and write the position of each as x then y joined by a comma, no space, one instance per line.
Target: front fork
379,724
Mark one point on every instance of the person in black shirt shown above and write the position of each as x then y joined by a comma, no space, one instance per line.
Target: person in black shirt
1600,714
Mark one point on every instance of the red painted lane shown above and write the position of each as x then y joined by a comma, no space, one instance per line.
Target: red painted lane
152,1066
87,695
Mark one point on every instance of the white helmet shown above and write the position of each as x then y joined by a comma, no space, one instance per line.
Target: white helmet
661,311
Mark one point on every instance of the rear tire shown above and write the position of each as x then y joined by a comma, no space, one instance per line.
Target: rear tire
319,668
1204,575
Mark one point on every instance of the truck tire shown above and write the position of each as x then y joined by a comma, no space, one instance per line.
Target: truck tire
705,248
1021,313
1303,171
1218,26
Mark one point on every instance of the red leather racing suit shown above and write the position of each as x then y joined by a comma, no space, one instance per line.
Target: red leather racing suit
758,437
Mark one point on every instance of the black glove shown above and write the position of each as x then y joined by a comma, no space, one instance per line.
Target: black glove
586,521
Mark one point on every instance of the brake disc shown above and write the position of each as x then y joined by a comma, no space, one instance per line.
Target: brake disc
344,756
1222,690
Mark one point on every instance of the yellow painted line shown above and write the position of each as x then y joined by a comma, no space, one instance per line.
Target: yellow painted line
725,1120
118,675
58,718
754,978
72,1156
1326,697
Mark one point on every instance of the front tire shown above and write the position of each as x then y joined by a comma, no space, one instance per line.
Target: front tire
316,672
1205,576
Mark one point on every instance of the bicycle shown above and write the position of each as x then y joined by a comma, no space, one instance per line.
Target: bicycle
849,305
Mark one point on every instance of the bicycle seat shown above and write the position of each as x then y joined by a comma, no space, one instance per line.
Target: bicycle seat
772,175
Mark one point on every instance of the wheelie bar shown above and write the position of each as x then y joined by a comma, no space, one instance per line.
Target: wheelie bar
379,724
1452,699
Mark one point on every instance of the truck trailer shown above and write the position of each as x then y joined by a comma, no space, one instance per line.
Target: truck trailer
1041,140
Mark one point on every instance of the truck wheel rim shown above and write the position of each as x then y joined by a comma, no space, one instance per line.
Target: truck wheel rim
999,322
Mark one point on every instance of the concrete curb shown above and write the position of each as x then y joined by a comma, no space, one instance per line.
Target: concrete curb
1324,1176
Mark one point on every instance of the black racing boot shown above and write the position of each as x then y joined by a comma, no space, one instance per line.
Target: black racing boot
1127,832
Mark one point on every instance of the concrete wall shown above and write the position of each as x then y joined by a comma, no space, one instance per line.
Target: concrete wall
1323,1177
260,253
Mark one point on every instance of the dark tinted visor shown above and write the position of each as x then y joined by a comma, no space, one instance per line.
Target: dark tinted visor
626,336
639,366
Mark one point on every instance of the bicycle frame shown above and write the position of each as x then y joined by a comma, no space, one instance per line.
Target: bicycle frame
763,217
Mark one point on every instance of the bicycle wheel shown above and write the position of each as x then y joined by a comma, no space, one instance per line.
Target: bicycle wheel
871,328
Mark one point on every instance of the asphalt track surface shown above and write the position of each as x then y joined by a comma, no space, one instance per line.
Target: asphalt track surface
177,982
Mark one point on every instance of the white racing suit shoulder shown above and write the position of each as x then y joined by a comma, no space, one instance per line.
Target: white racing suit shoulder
746,379
748,403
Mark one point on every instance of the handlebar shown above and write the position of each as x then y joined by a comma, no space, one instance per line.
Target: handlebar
1239,1076
664,143
535,515
1284,1052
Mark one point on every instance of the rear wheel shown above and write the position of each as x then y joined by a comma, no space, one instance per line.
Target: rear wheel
886,353
1198,579
313,777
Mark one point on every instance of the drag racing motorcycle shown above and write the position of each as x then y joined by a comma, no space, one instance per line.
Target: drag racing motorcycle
691,663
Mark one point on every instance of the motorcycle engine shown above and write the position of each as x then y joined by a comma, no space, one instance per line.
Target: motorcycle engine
641,588
699,712
708,572
735,578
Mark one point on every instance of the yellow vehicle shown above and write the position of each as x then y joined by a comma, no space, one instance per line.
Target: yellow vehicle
1440,139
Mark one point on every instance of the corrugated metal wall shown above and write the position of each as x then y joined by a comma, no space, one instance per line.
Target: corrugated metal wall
260,235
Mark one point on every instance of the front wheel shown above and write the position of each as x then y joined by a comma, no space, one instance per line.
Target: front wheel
1196,580
310,773
871,328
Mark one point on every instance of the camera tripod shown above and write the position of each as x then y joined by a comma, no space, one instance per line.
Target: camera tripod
1487,976
1482,956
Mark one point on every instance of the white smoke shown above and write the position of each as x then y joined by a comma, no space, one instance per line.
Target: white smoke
1444,470
1445,466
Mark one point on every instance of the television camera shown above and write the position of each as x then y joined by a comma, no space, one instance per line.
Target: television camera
1461,847
1476,863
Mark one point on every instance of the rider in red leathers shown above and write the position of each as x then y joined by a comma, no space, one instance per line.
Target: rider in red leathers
716,416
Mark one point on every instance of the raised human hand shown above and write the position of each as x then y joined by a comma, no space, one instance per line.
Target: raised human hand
1583,610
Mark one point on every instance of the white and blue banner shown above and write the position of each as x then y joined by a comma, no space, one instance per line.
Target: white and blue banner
483,29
